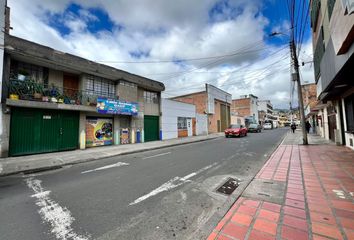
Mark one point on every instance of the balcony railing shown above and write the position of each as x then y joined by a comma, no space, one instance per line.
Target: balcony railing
33,91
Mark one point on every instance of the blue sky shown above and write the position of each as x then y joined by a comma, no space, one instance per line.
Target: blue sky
193,42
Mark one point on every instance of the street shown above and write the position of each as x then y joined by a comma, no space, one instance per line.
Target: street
161,194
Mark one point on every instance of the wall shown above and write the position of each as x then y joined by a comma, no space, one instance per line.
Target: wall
213,118
237,120
197,99
254,108
341,28
152,109
202,124
171,110
241,107
127,92
55,77
4,118
349,137
216,93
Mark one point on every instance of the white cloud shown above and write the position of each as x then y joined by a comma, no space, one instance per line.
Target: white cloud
166,31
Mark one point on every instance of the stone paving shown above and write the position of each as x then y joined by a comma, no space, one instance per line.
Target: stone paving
318,200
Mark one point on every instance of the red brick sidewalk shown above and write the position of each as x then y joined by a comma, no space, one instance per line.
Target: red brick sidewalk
318,202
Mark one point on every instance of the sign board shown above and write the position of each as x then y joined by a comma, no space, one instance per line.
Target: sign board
99,132
112,106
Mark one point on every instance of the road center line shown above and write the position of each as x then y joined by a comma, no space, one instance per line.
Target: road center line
171,184
118,164
158,155
59,218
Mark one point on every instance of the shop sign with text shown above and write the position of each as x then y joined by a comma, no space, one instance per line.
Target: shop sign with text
112,106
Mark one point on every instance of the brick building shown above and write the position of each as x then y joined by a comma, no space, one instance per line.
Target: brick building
213,102
247,107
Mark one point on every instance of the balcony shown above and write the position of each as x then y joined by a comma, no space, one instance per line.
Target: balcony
40,95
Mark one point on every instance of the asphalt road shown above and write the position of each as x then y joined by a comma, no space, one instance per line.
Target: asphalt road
162,194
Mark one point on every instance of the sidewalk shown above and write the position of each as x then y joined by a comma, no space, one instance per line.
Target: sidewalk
51,160
310,195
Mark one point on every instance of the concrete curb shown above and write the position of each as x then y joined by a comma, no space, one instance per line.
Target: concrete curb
57,163
209,226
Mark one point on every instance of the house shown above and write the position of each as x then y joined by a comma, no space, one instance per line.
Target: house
55,101
179,120
332,24
213,102
247,107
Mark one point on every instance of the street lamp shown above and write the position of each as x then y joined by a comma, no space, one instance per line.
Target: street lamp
296,77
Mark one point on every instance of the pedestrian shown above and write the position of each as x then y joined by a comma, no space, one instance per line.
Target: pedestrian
293,127
307,126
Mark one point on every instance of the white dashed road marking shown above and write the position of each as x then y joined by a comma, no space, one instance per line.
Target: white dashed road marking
158,155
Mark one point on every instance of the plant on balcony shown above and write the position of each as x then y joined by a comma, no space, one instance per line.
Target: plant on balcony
37,91
22,75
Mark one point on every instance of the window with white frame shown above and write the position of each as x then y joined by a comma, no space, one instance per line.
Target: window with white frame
150,97
100,86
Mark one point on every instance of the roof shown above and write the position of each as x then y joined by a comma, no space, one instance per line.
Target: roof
24,50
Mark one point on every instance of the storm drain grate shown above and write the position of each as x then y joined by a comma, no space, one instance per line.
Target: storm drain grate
229,186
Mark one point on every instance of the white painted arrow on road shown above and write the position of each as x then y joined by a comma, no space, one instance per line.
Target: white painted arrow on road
118,164
171,184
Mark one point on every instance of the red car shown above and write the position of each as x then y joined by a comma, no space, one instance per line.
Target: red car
236,130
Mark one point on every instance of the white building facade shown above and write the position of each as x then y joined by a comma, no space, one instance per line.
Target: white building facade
178,119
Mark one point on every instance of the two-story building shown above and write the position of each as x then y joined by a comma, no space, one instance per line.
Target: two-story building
55,101
332,23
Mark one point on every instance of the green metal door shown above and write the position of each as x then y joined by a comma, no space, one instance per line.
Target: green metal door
69,130
24,137
151,128
38,131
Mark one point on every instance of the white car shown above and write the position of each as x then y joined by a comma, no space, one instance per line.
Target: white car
267,126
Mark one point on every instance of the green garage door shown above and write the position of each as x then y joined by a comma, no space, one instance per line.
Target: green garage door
151,128
38,131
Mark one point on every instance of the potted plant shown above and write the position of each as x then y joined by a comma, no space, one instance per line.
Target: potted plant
22,74
38,91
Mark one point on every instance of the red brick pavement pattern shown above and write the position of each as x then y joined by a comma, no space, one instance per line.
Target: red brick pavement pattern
318,201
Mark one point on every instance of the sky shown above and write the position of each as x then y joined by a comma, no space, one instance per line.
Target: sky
225,43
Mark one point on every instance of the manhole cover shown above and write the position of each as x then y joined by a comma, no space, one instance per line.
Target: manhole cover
228,187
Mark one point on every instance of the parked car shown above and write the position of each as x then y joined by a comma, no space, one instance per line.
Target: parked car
267,126
236,130
253,127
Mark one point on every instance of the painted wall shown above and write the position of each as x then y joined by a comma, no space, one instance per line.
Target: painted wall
171,110
215,93
202,124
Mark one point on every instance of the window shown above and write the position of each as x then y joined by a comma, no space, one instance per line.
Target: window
100,86
349,112
181,123
31,72
150,97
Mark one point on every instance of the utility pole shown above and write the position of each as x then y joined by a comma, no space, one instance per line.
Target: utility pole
299,90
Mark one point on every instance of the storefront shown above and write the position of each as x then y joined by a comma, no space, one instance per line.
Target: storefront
112,123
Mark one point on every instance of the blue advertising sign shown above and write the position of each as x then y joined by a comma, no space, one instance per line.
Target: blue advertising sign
112,106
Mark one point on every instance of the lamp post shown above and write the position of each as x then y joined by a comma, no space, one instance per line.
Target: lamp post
296,77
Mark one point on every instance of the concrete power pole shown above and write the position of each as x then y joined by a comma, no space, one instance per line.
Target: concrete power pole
299,90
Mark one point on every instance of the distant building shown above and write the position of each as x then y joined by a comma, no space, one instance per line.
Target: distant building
246,106
332,24
213,102
266,107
